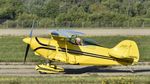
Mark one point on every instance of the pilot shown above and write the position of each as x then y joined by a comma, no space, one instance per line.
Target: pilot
78,41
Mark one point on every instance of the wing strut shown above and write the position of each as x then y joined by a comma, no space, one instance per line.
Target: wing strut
67,58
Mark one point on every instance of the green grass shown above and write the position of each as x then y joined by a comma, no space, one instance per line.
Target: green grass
75,80
12,48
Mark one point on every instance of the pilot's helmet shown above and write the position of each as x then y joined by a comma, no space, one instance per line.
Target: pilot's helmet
78,41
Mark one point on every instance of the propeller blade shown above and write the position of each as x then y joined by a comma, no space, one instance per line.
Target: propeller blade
28,45
31,33
32,29
26,53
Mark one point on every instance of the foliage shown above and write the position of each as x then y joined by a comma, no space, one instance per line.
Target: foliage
9,8
77,13
26,20
46,22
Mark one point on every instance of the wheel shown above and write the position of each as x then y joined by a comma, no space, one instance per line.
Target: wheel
42,72
55,67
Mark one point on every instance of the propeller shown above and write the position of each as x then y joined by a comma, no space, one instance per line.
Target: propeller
28,45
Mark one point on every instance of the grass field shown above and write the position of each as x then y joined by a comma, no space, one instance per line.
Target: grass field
12,48
75,80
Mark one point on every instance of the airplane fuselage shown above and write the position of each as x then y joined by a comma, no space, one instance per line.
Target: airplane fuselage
59,49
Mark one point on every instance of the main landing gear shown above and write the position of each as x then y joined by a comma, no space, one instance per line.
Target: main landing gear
48,68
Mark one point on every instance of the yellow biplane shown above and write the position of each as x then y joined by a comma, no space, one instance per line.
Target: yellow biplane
67,46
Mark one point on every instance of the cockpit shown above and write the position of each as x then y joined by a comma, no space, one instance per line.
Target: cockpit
82,41
73,37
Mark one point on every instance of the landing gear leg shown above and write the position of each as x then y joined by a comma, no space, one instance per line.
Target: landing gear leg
48,68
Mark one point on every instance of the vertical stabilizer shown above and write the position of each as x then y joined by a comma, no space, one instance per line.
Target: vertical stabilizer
126,49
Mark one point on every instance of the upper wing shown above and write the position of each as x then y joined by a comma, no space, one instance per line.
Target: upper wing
65,33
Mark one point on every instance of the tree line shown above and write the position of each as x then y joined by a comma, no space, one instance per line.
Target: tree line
75,13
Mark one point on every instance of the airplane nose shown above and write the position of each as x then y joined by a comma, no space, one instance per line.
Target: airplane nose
27,40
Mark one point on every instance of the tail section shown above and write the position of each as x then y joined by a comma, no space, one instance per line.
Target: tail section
126,49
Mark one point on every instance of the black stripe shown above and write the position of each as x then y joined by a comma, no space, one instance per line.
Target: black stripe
77,52
86,53
40,42
44,48
70,51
